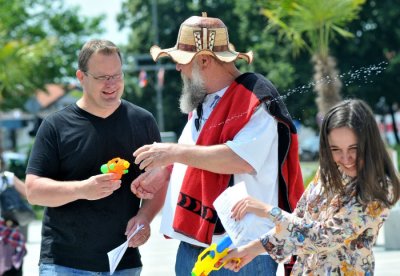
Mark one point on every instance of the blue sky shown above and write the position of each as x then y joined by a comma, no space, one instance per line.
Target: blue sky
110,8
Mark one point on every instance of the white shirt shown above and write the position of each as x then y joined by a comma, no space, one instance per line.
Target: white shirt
256,143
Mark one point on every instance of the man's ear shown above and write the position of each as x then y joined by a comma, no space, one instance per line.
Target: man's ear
79,74
204,61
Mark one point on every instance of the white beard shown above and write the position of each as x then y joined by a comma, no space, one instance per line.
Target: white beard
193,91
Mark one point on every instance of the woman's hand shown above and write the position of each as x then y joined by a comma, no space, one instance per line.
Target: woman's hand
245,253
250,205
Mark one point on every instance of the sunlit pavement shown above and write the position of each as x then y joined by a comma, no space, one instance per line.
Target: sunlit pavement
158,254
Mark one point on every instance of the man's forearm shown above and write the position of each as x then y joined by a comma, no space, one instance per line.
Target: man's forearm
218,159
47,192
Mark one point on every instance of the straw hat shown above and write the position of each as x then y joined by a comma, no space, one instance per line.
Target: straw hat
201,35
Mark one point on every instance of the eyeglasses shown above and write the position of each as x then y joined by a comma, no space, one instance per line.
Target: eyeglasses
116,77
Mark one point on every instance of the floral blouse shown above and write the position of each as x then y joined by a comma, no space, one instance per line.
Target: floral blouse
331,236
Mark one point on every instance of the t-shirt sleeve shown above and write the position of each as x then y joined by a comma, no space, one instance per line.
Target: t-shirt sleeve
255,140
43,157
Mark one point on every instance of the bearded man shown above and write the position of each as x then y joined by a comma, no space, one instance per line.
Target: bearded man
238,130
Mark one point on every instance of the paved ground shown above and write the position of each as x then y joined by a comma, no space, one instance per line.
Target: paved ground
158,254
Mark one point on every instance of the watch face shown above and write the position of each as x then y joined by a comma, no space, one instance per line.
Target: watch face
275,211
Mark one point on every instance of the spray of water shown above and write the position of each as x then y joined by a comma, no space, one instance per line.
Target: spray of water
361,75
364,74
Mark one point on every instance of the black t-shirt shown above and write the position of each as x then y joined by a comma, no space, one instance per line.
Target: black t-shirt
72,144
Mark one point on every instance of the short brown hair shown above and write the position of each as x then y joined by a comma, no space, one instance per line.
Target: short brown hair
105,47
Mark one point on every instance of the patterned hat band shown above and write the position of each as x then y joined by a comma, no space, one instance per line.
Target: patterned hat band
201,35
195,39
191,48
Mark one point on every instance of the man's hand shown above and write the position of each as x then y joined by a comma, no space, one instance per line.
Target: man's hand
155,155
150,182
99,186
143,235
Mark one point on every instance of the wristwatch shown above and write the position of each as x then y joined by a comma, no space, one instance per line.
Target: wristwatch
275,212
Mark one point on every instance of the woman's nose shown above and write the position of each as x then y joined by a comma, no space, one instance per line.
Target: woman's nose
346,158
178,67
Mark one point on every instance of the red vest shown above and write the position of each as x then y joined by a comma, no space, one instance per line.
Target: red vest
195,215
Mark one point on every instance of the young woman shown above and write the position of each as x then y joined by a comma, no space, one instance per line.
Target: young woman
337,220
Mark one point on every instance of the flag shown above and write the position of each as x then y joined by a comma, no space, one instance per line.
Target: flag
142,79
160,77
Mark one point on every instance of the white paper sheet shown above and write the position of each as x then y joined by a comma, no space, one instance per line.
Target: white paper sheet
237,230
115,255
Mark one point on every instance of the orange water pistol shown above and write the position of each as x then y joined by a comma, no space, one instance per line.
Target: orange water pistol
117,165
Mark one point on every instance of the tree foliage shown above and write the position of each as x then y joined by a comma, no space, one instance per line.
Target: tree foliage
39,42
372,58
313,25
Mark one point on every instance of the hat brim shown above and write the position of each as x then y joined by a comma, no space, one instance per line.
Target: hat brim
185,57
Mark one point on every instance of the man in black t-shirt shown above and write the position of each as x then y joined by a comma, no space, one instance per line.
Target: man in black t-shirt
88,213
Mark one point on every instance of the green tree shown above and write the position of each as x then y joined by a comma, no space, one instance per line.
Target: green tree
18,61
18,56
314,25
39,42
375,48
